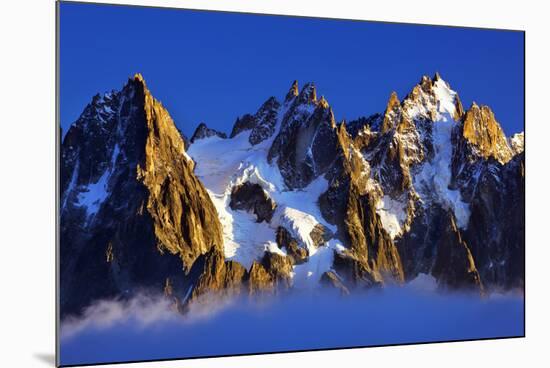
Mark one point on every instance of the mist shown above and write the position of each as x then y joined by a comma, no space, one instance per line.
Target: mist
146,328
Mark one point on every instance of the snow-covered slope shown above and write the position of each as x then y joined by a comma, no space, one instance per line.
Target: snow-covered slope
223,164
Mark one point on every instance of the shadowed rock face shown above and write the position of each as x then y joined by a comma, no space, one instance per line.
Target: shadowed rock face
454,265
496,232
305,146
261,124
251,197
203,131
133,213
243,123
297,254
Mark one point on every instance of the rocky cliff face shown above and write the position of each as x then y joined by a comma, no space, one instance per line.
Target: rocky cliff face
291,200
485,134
133,214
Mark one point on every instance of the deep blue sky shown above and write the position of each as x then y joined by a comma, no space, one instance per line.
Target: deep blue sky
213,67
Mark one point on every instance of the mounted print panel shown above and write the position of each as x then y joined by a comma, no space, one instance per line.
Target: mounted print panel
235,183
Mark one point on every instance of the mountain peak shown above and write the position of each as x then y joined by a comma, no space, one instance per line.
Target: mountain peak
392,114
308,93
323,102
433,99
203,131
481,129
292,92
139,80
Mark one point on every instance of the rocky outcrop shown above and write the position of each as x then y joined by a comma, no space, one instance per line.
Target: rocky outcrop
203,131
331,279
279,268
133,214
482,130
320,235
393,114
259,280
297,254
216,275
251,197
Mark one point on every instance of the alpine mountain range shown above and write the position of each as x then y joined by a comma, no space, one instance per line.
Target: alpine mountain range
290,200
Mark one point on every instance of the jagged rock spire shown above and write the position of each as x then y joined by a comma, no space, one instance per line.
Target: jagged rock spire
292,92
323,102
138,77
392,114
308,94
481,129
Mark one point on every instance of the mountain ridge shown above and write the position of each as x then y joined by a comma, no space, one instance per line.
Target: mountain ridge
378,200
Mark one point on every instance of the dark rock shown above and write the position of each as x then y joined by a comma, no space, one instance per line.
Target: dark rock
496,230
305,146
252,197
244,123
297,254
356,271
203,131
265,118
454,265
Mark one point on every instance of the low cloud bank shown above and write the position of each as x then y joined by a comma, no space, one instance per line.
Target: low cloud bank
147,328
